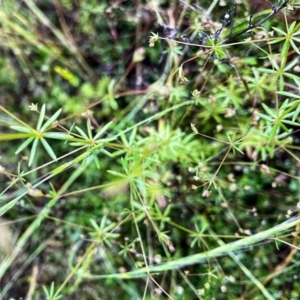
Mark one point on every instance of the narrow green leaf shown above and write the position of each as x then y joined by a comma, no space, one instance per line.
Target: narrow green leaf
41,117
21,129
297,80
268,110
33,152
281,82
103,222
285,104
284,53
290,65
277,40
57,135
291,28
10,205
265,117
283,127
82,133
268,71
48,148
296,113
51,120
288,94
132,135
110,96
284,134
295,47
237,149
288,114
89,129
24,145
81,157
281,32
96,160
102,130
273,133
108,228
106,152
264,153
124,140
62,168
291,123
94,224
117,174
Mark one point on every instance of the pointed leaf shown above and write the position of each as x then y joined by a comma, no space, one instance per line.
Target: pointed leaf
48,148
265,117
57,135
291,65
295,47
268,110
51,120
102,130
9,205
24,145
21,129
94,224
117,174
33,152
284,53
288,94
89,129
281,32
106,152
132,135
284,134
291,123
291,28
96,160
41,117
296,113
82,133
272,133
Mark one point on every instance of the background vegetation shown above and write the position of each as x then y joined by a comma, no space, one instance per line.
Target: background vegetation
149,150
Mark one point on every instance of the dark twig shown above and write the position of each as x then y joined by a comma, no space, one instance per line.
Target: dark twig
275,10
228,19
232,15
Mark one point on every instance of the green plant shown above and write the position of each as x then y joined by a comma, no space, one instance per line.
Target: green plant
171,174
